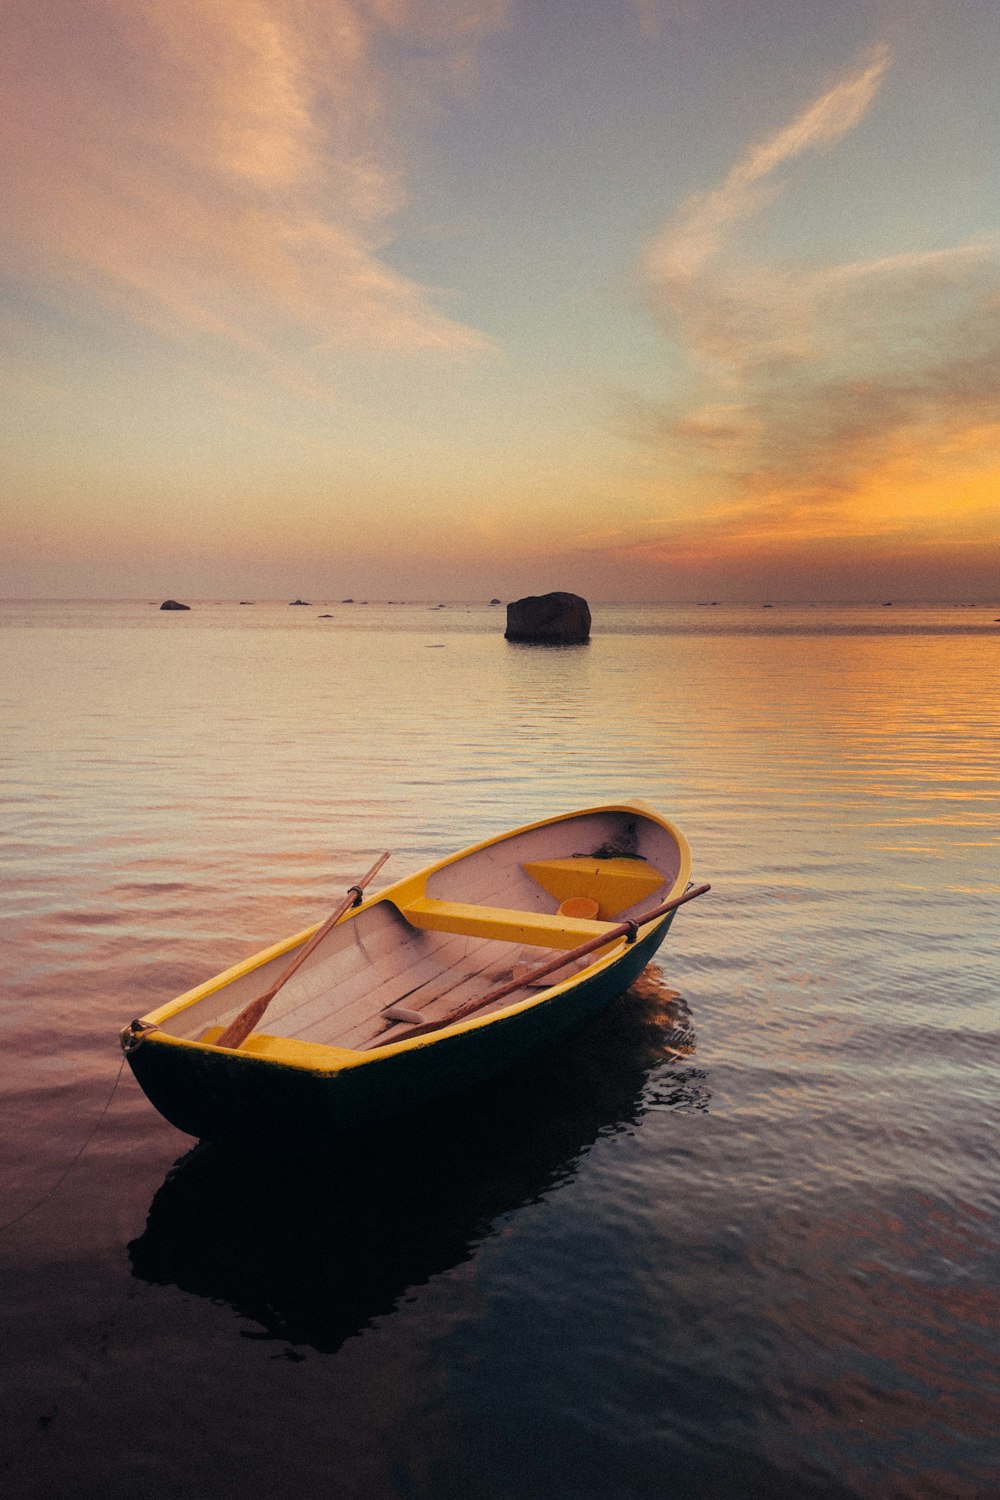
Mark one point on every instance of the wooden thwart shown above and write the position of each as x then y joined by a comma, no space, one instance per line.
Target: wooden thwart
505,925
241,1026
560,961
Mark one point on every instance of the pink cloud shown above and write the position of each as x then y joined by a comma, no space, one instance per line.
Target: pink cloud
685,245
218,169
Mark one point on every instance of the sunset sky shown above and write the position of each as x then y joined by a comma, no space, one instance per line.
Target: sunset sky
647,299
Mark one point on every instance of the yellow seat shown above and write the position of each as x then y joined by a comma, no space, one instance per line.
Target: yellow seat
615,884
542,929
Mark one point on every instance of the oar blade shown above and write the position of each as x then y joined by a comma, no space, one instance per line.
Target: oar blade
240,1028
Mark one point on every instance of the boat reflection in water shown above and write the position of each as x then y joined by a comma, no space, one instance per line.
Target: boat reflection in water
314,1250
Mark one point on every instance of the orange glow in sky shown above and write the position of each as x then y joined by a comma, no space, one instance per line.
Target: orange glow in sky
473,298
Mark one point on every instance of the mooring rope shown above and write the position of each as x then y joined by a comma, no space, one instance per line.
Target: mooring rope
34,1207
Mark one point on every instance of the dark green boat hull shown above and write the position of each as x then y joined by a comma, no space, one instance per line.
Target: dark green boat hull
258,1104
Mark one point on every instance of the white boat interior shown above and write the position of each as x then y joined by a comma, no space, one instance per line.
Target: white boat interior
433,941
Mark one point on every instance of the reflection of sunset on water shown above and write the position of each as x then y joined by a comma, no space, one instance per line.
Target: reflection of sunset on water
736,1231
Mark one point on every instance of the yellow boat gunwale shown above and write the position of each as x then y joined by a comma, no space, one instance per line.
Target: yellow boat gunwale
310,1056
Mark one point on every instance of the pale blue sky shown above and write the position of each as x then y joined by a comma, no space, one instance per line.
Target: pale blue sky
382,296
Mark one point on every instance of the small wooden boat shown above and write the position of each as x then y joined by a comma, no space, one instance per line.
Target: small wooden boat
436,983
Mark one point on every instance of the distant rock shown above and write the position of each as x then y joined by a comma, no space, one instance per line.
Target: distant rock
347,601
248,601
495,601
301,601
324,617
172,604
549,619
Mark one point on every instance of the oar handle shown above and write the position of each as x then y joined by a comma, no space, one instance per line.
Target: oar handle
353,898
627,929
241,1026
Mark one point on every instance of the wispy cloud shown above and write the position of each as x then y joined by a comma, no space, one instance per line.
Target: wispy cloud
807,385
698,232
221,170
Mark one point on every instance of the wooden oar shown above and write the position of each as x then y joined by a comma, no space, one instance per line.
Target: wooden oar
241,1026
551,965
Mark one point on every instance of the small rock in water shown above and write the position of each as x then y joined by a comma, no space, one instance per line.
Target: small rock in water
172,604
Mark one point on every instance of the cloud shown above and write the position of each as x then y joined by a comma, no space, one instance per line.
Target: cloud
698,232
816,397
850,358
221,170
719,307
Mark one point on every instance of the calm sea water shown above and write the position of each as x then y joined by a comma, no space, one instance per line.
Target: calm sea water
741,1238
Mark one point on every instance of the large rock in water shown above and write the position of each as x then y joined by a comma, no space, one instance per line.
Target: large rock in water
172,604
550,619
